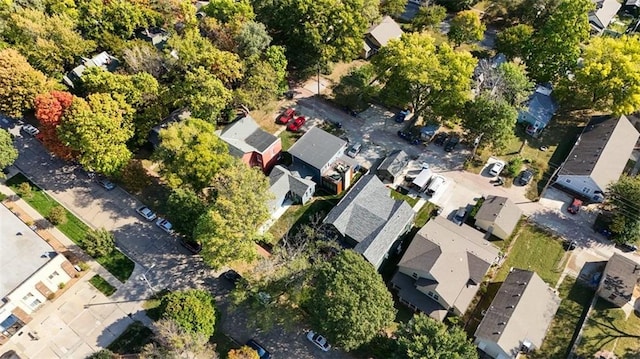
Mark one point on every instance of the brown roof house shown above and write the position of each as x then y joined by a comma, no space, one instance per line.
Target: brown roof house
599,156
379,35
620,283
498,216
442,269
519,316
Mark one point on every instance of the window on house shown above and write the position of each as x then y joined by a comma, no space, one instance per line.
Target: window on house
567,180
586,190
54,274
415,275
435,296
35,304
27,297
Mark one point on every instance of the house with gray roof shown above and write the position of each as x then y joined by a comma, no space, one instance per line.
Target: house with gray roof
369,220
599,156
519,316
392,166
253,145
498,216
379,35
538,110
601,17
443,267
102,60
286,185
620,282
320,156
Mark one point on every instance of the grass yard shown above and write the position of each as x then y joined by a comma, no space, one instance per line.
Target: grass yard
288,138
537,251
607,328
132,340
410,200
102,285
575,300
424,214
116,262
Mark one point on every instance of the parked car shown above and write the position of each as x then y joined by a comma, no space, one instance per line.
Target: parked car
147,213
574,207
262,352
452,143
319,341
33,131
232,276
104,183
354,150
496,168
401,116
296,124
286,116
404,135
458,218
164,225
441,138
525,177
628,247
570,245
193,246
436,182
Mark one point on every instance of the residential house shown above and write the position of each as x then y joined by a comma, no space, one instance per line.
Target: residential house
369,220
379,35
538,110
443,267
390,170
632,7
158,37
33,273
498,216
320,156
103,60
247,141
289,186
175,116
602,16
599,156
620,283
519,316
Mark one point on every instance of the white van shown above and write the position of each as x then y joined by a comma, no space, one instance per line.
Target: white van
436,182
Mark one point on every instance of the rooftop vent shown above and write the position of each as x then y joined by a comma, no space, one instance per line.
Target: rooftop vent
516,295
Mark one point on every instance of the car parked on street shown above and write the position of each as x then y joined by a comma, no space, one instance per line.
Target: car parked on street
32,130
319,341
232,276
193,246
441,138
628,247
451,143
401,116
286,116
147,213
354,150
461,213
104,183
574,207
164,225
496,168
525,177
404,135
262,352
296,124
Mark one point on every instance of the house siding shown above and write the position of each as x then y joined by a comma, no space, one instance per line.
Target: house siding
492,228
491,348
580,184
270,155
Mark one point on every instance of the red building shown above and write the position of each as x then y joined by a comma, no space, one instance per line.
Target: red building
255,146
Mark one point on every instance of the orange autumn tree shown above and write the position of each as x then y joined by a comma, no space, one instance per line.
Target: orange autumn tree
49,110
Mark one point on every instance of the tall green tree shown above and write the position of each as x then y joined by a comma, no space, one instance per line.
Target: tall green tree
433,79
466,27
609,77
393,7
193,310
514,83
202,93
138,89
97,129
99,242
229,230
514,41
349,302
8,152
423,337
50,43
262,84
457,5
230,10
494,119
20,83
252,39
172,341
184,208
120,18
624,195
428,17
191,154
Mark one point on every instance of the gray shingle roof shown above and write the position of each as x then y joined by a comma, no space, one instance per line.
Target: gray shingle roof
281,176
521,310
385,31
540,107
604,13
603,149
368,215
394,163
317,147
244,136
500,211
408,292
621,275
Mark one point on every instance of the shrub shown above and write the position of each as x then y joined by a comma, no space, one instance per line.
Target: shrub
99,242
25,190
57,215
61,285
83,266
513,167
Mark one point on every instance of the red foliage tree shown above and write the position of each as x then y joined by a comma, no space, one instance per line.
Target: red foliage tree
49,110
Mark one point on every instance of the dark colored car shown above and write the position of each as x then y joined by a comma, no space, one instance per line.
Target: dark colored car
296,124
570,245
525,177
401,116
404,135
192,246
286,116
628,247
262,352
232,276
574,207
441,138
452,143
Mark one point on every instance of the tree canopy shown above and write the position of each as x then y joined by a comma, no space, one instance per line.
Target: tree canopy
184,207
428,17
193,310
423,337
514,41
349,302
466,27
203,94
433,79
49,109
624,195
172,341
494,119
8,152
138,89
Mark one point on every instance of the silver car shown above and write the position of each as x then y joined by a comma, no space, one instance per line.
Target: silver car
33,131
164,225
147,213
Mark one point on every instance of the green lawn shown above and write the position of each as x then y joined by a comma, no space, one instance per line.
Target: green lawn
607,328
288,138
575,300
424,214
116,263
537,251
132,340
102,285
410,200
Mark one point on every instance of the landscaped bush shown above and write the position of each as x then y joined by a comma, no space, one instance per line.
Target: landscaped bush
25,190
57,215
99,242
513,167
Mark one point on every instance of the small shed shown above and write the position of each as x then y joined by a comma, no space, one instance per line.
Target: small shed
391,168
422,181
